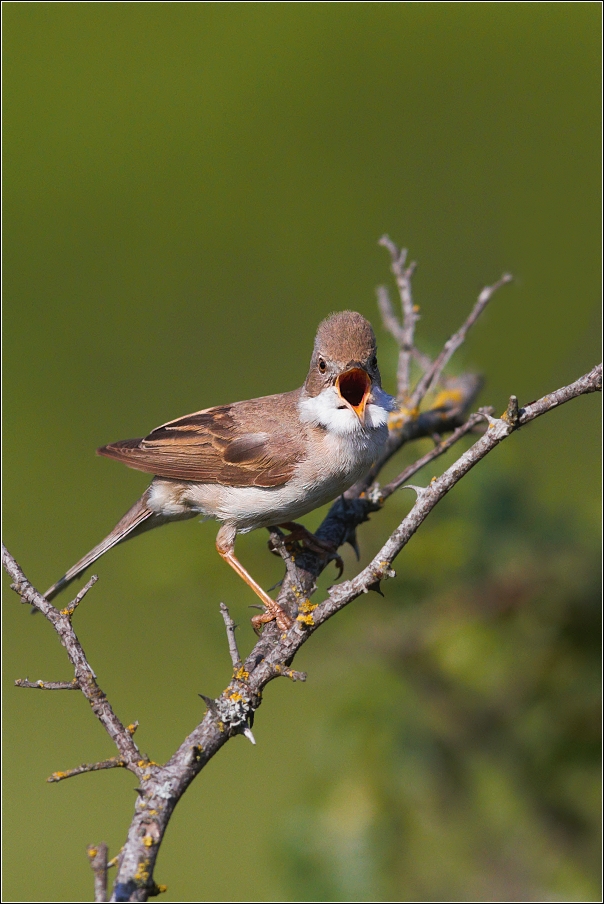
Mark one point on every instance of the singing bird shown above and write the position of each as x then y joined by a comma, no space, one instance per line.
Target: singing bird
262,462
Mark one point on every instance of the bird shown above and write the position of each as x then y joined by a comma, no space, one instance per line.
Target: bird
263,462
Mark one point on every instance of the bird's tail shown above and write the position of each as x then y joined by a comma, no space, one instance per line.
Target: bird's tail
137,520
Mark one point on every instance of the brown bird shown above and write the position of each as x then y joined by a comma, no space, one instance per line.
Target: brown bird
263,462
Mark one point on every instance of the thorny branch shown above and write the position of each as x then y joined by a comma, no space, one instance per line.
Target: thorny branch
232,713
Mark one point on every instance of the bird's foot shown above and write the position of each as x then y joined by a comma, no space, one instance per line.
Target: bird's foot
299,534
273,612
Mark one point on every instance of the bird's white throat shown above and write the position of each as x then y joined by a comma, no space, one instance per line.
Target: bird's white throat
330,411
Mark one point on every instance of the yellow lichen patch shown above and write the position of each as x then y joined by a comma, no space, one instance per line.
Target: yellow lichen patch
143,872
221,726
152,812
448,398
162,889
234,695
56,777
148,841
146,776
132,727
65,611
307,606
142,763
400,417
241,674
306,619
92,852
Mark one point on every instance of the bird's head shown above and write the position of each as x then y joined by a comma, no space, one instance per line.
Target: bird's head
343,387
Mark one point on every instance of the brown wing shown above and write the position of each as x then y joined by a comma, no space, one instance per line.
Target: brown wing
246,444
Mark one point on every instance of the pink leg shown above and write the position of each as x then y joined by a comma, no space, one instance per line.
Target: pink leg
225,544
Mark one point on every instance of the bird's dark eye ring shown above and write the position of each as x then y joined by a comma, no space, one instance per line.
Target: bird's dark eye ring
322,365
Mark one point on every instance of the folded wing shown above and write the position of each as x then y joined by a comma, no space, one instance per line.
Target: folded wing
245,444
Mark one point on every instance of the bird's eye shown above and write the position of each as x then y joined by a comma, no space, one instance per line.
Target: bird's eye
322,365
374,361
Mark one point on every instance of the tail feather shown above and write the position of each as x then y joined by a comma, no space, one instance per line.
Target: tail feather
138,519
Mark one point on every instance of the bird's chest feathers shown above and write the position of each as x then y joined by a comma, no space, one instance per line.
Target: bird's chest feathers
342,447
344,455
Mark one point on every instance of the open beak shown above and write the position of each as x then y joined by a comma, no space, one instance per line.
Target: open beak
353,387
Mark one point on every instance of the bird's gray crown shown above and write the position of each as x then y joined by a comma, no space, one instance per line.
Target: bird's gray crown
345,336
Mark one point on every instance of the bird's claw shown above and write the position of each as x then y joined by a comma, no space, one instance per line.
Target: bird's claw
299,534
274,612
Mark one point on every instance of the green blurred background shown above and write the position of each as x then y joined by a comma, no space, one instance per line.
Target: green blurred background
189,188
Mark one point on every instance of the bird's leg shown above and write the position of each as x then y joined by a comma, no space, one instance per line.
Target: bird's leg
297,532
225,544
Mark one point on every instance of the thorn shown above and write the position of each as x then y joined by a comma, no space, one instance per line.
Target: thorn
418,490
248,734
209,702
375,587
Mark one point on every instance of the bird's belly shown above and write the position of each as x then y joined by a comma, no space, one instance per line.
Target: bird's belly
317,480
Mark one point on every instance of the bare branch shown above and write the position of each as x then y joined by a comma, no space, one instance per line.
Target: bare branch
423,360
289,673
389,318
48,685
404,334
73,605
590,382
97,855
230,629
438,450
430,378
84,674
114,762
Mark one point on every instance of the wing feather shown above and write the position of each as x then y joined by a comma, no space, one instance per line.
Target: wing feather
221,445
